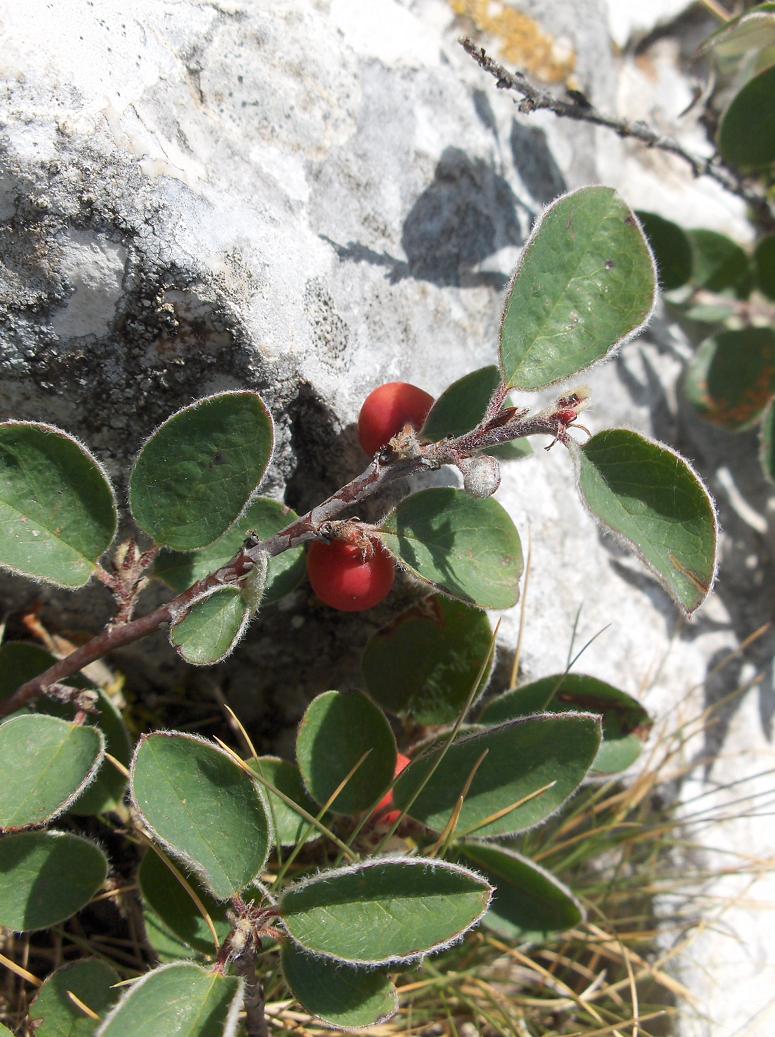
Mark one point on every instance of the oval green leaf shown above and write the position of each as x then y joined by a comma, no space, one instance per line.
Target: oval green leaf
54,1014
211,628
511,764
529,904
719,264
462,406
368,914
57,507
585,283
347,998
45,764
767,447
747,131
289,826
426,662
764,263
732,377
107,790
45,877
334,734
200,468
625,721
647,494
174,910
264,517
203,808
179,1000
671,249
466,547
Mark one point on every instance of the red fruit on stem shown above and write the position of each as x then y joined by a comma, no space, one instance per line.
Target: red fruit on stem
387,409
385,814
347,578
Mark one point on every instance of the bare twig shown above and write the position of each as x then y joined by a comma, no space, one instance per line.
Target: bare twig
386,468
578,108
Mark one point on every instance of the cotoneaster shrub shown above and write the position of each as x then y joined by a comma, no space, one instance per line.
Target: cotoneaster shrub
322,879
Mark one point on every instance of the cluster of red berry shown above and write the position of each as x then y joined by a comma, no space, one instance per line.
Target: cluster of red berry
349,576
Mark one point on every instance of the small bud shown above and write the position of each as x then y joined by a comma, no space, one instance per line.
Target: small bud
481,475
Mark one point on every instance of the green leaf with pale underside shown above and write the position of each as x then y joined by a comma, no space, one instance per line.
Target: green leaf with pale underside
54,1012
179,1000
57,508
344,997
334,734
466,547
45,877
510,765
194,476
45,763
746,135
203,808
650,497
585,283
211,628
529,903
384,910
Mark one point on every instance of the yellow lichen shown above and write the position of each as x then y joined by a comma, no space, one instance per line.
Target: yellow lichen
521,41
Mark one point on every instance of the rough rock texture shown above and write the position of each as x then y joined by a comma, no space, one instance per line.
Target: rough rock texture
311,198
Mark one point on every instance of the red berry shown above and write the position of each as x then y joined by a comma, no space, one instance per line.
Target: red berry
347,578
384,813
387,409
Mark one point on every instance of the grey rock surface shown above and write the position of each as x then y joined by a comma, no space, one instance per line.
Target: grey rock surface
312,198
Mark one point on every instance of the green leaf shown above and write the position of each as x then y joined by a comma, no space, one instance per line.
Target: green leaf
107,789
719,264
741,37
368,914
462,406
289,826
264,517
179,1000
333,735
645,493
203,808
625,721
45,763
710,313
174,910
671,249
764,264
732,377
466,547
45,877
767,448
197,472
426,662
211,629
519,758
585,284
347,998
529,904
57,1015
57,507
747,130
520,702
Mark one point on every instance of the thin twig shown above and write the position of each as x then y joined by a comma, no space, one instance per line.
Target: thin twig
578,108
